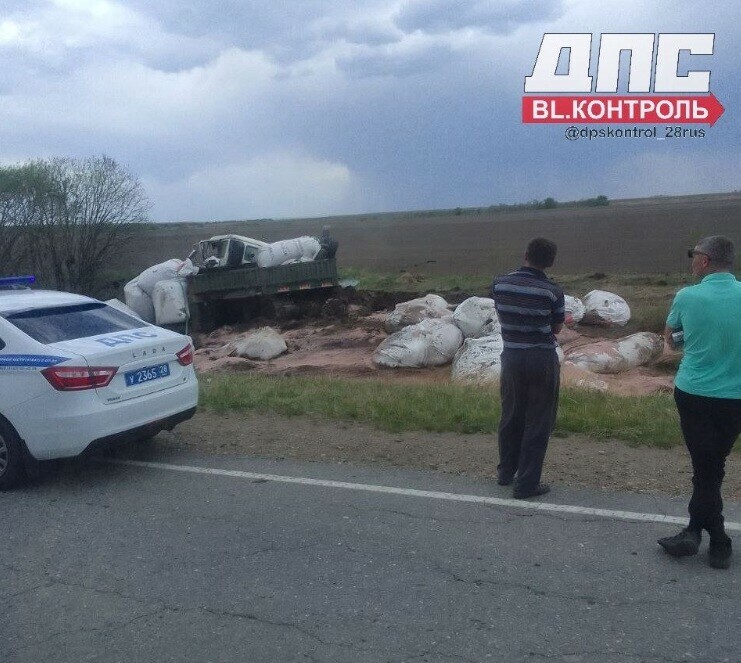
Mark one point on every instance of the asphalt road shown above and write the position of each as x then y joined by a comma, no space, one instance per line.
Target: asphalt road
103,561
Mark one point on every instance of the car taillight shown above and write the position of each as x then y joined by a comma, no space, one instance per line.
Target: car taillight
78,378
185,356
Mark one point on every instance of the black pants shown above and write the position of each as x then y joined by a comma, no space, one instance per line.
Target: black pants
529,387
710,427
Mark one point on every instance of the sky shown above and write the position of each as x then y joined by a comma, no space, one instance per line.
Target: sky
294,108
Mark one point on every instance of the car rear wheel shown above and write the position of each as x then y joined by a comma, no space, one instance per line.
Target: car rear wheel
12,471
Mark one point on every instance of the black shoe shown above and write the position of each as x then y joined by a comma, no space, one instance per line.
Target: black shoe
504,479
683,544
540,489
719,553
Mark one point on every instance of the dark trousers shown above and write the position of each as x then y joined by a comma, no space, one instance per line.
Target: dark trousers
529,388
710,427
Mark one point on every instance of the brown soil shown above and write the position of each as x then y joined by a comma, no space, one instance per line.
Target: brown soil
628,236
572,461
344,349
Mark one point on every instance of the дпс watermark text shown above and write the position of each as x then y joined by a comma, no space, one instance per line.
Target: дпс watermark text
658,91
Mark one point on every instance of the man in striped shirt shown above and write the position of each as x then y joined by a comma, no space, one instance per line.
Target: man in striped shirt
531,311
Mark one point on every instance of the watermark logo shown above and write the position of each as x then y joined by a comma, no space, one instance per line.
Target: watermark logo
562,90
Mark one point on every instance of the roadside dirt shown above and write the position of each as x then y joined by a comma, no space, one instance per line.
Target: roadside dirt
572,461
344,349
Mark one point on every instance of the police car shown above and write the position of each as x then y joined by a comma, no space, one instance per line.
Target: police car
75,372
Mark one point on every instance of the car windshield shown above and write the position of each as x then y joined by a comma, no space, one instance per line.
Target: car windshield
66,323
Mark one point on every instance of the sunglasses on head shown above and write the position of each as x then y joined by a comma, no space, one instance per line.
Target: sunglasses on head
691,253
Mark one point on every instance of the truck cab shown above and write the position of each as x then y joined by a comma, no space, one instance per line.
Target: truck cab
223,251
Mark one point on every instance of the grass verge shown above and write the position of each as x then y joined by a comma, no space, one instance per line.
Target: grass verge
640,421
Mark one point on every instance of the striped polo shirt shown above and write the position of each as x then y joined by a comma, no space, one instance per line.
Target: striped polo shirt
528,303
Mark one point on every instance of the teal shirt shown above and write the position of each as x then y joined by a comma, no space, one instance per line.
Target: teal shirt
710,315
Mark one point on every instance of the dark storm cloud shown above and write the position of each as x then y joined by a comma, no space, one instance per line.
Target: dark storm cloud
493,16
287,31
231,109
367,34
399,65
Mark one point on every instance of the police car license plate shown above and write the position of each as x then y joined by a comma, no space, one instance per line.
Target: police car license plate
147,374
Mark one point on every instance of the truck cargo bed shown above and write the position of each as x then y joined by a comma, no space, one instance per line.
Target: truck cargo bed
242,282
212,292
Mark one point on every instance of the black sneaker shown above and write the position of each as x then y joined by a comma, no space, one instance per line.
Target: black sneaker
719,553
685,543
540,489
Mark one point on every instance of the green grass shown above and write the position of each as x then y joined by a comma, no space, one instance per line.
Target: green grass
642,285
406,281
641,421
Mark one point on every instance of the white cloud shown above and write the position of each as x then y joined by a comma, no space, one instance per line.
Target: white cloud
280,184
13,33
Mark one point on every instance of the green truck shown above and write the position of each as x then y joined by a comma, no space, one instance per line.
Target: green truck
231,287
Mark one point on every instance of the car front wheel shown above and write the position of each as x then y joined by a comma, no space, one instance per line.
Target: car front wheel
12,471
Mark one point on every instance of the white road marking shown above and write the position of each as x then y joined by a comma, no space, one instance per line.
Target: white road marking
429,494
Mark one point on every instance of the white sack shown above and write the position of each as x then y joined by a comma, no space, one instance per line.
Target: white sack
560,354
164,271
619,355
139,301
479,360
287,250
434,300
265,343
170,302
428,343
605,308
415,310
187,268
120,306
475,316
575,309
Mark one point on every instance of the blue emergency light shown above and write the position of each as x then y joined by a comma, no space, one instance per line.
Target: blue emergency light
16,282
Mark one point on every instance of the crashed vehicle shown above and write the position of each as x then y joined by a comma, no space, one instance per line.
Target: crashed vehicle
239,277
232,278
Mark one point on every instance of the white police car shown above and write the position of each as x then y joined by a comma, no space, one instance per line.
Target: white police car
75,372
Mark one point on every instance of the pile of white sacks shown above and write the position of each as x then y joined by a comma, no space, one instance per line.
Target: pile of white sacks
159,294
599,307
427,332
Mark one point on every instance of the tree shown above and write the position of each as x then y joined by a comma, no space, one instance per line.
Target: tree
16,216
82,209
550,203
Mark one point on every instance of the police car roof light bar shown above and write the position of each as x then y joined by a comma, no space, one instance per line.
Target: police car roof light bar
16,282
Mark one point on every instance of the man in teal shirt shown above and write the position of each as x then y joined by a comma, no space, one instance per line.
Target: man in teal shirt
707,390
